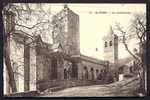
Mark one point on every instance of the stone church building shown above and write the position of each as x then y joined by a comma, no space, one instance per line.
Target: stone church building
42,65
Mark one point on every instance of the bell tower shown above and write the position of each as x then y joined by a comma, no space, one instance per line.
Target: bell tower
111,46
66,30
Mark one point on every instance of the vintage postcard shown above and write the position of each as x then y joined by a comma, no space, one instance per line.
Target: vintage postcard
74,50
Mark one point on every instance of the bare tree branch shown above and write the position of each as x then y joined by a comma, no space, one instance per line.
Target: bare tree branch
139,28
124,41
35,25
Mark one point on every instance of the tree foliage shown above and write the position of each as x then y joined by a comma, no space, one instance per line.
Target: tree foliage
136,30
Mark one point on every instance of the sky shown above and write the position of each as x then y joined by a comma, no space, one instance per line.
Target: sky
94,26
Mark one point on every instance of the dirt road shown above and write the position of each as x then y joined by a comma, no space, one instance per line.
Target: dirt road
121,88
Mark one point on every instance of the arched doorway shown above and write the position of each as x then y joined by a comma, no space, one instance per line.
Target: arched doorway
85,73
92,74
67,69
65,73
97,73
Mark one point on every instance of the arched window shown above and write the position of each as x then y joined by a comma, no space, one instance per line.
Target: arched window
110,43
105,44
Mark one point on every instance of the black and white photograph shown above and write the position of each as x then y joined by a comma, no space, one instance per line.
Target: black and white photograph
74,50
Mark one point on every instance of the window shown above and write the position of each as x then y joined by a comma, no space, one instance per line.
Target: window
110,43
105,44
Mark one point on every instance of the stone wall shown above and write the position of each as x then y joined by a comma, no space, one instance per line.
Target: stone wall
60,67
43,63
49,66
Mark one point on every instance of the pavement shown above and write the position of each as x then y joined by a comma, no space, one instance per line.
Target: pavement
122,88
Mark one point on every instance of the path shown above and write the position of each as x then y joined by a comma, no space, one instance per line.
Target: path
121,88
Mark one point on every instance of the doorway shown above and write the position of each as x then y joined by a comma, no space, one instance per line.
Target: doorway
54,69
74,70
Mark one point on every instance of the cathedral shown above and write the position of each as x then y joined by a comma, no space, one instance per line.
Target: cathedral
46,65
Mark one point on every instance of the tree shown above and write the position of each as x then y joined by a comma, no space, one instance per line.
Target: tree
137,30
15,17
7,58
